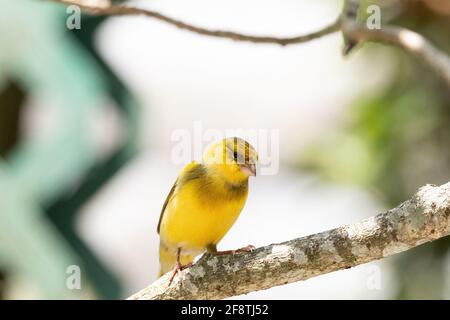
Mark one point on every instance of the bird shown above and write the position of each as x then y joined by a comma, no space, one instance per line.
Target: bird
204,203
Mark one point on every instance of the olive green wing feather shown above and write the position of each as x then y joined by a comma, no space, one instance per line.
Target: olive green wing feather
169,197
190,172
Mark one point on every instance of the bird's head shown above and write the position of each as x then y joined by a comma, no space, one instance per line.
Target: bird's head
232,158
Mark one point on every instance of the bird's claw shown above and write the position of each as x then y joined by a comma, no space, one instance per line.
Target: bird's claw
178,269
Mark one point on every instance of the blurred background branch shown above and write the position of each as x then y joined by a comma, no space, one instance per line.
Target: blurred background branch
408,40
105,8
353,31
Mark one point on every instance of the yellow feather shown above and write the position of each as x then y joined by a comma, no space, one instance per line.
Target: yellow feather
204,204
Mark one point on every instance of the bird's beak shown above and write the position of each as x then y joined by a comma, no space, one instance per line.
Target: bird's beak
249,169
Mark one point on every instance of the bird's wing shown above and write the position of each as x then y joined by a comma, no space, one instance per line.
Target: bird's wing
190,172
169,197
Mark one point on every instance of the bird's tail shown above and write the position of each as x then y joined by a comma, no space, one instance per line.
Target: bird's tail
168,259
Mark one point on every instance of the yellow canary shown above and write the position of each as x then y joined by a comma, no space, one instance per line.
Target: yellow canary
204,203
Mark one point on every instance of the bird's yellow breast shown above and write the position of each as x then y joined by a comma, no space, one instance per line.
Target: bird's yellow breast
200,213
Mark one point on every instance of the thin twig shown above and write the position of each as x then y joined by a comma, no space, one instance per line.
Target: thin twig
122,10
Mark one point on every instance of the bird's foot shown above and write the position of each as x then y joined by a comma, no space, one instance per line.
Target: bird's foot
178,269
248,248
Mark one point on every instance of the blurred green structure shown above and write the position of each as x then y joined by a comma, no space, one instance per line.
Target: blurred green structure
396,141
45,181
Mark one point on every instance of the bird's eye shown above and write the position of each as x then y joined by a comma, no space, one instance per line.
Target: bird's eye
235,155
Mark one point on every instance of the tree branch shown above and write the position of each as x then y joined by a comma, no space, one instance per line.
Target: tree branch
405,39
410,41
105,8
423,218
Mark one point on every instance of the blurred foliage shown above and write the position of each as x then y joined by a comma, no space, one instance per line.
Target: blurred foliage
396,141
64,211
46,181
